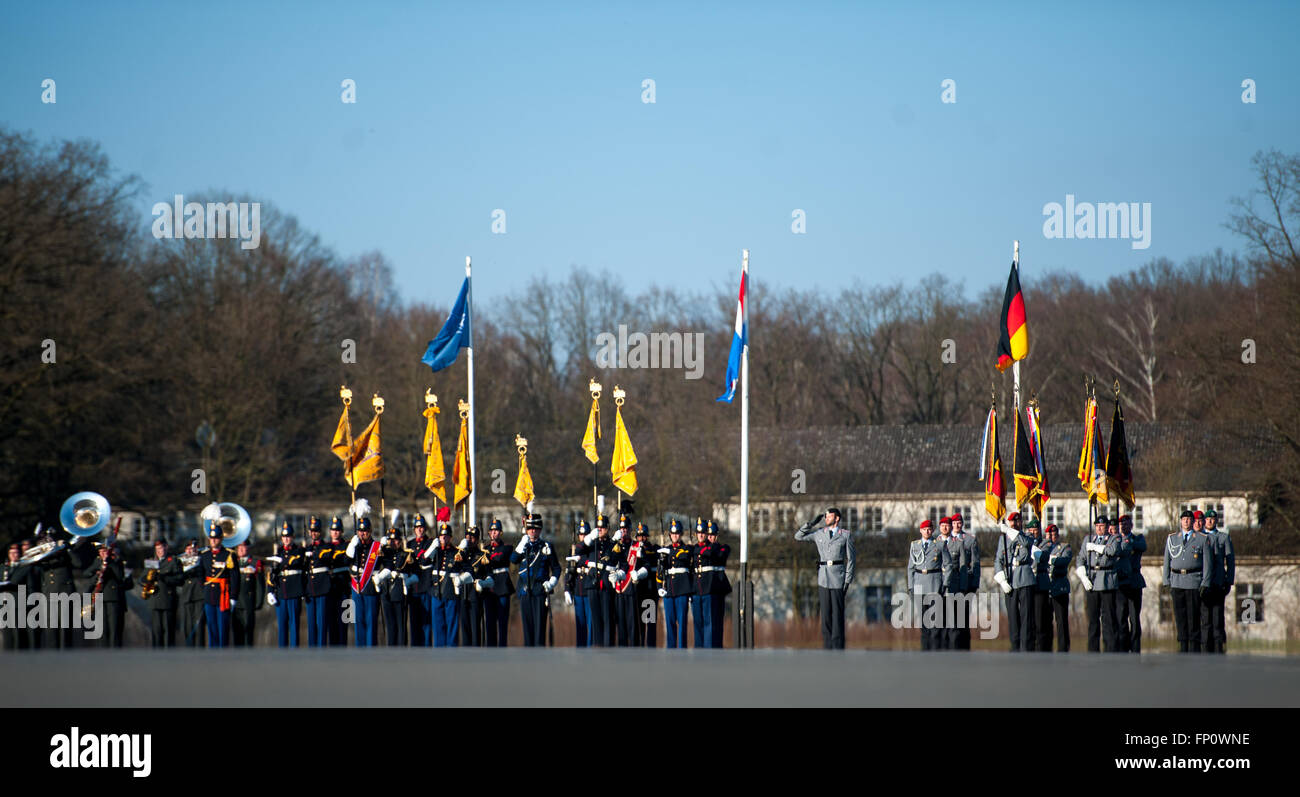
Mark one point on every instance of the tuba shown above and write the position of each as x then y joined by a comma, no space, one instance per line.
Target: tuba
232,519
85,514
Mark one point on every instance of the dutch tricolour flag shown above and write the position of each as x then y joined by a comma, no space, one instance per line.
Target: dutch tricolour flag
738,341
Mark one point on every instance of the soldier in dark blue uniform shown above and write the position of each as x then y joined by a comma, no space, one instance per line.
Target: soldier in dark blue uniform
539,572
1214,632
392,570
286,582
714,587
1188,570
445,604
625,601
647,590
1058,554
471,559
340,564
698,622
676,585
601,563
116,583
365,593
575,594
220,583
318,584
1128,608
497,589
420,595
252,591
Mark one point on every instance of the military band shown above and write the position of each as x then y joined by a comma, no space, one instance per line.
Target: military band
113,581
252,593
220,574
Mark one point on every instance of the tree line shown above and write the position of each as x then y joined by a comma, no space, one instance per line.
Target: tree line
119,346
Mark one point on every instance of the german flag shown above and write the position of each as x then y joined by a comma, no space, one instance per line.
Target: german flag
1028,480
1119,474
1013,336
995,491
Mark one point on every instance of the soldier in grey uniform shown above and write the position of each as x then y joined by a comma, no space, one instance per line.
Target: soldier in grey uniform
1131,584
835,563
1188,570
1058,555
1014,562
954,556
970,575
1101,555
1214,632
924,582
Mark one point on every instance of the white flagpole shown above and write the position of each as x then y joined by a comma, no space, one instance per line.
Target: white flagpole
469,309
746,632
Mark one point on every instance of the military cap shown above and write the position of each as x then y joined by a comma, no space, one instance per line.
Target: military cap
602,522
711,528
1013,516
472,531
1199,515
1033,524
534,521
1212,514
1187,513
336,524
641,529
419,521
926,524
583,528
286,530
444,528
393,535
1100,521
623,522
944,520
363,524
1050,528
495,526
674,527
313,524
836,510
699,524
213,530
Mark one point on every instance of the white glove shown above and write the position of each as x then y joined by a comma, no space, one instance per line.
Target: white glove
1095,548
487,583
270,598
383,576
352,546
617,576
573,558
463,544
1001,578
640,574
522,542
275,559
550,583
546,549
591,536
568,599
636,576
663,551
1082,573
663,593
478,586
232,603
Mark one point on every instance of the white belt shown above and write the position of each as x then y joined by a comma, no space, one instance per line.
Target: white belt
426,567
500,570
677,571
708,568
320,570
441,573
598,566
290,572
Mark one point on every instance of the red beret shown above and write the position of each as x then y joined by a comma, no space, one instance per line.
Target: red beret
1199,515
1052,527
947,520
926,524
1013,516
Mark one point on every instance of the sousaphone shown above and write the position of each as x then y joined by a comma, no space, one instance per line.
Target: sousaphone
232,519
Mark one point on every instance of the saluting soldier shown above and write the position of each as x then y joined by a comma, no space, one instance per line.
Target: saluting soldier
286,583
194,620
1131,584
445,604
1189,571
319,584
497,589
675,585
340,563
1214,632
471,559
970,582
391,579
1059,553
538,572
600,592
420,591
575,593
248,600
925,583
1014,562
836,561
365,592
220,585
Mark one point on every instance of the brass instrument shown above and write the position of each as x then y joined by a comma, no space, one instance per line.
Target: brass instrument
149,585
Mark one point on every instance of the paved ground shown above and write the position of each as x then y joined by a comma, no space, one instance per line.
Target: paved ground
517,677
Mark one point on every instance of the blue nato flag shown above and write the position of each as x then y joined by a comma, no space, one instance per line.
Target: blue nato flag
454,335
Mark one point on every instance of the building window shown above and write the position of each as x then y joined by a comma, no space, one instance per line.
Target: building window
1166,604
1187,508
880,603
760,520
1137,516
852,519
1250,603
937,512
1055,514
874,518
1218,510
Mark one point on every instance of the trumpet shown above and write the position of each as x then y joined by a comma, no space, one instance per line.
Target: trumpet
149,585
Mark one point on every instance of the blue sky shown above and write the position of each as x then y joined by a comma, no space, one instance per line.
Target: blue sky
536,109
